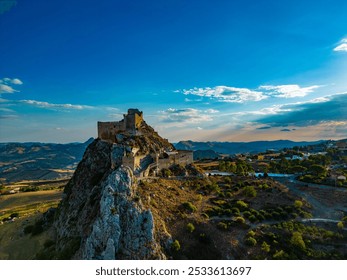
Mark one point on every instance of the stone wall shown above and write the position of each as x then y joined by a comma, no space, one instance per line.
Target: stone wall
133,119
108,130
181,157
134,162
131,122
184,157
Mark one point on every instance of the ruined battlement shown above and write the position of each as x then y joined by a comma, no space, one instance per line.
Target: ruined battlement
145,154
130,123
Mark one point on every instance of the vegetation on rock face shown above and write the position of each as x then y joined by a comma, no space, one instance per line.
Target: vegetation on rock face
189,206
190,227
176,246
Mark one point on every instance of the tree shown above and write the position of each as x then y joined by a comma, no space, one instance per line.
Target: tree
340,225
176,246
250,191
298,169
297,240
240,170
190,227
298,204
265,247
250,241
318,170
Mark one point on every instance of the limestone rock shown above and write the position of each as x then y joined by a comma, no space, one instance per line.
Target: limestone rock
101,216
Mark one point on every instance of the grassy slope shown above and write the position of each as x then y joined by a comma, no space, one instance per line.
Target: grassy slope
14,244
28,203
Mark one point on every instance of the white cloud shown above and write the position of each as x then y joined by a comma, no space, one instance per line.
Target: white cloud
16,81
6,85
288,91
43,104
187,115
7,89
241,95
227,94
342,47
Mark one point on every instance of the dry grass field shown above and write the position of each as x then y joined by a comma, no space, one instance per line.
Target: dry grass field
29,207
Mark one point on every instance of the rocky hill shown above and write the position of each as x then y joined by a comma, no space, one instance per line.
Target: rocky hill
101,216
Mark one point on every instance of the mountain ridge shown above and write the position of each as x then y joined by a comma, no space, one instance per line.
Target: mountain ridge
242,147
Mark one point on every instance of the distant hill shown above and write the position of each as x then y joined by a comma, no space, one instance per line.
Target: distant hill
240,147
34,161
205,154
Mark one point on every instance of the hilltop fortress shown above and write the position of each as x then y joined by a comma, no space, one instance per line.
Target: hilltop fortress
130,124
139,146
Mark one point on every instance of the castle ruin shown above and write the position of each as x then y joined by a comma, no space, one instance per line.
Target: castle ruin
130,123
140,160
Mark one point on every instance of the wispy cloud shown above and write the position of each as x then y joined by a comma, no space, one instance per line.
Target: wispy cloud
242,95
14,81
6,85
342,47
187,115
226,94
47,105
7,89
288,91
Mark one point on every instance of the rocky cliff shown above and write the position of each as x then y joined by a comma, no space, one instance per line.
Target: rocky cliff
101,215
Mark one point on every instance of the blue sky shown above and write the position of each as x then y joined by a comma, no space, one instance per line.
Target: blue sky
200,70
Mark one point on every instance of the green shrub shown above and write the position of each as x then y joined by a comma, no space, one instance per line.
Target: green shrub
298,204
340,225
229,195
190,227
213,187
235,210
189,206
246,214
297,241
240,220
265,247
241,205
251,233
30,189
260,217
252,218
279,255
222,226
176,246
250,191
204,215
251,241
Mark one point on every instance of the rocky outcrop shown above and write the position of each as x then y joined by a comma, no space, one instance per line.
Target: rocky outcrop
101,215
